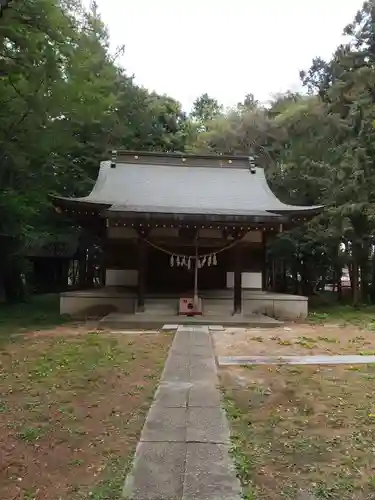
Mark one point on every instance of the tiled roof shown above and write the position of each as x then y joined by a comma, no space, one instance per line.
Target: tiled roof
170,188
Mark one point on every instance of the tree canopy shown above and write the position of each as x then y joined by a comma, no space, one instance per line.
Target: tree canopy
318,148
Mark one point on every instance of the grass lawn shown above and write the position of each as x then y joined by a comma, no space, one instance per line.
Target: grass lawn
363,316
326,309
39,312
71,410
303,432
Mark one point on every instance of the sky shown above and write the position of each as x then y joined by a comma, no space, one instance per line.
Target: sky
227,48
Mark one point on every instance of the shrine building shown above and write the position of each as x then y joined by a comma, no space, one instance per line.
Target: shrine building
179,226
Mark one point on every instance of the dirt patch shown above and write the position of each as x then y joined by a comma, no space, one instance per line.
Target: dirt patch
69,330
83,328
303,432
294,340
71,411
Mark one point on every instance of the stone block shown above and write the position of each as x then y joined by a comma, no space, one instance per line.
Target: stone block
207,425
210,474
181,348
203,369
204,395
203,339
177,369
165,424
201,351
203,361
158,472
216,328
290,309
176,360
172,394
193,328
169,328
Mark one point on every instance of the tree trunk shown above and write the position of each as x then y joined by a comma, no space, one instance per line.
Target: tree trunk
14,287
372,290
364,284
11,270
284,280
337,275
355,283
273,284
365,272
82,268
339,286
296,283
90,269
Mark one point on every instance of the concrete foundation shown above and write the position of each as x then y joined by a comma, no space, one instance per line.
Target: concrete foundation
216,303
79,301
146,321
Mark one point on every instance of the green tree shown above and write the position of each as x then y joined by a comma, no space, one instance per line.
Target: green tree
34,45
205,108
248,104
64,102
242,130
330,150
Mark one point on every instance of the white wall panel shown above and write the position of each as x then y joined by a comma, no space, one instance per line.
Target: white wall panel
249,280
121,277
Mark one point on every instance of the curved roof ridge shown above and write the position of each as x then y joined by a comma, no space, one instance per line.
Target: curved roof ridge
285,206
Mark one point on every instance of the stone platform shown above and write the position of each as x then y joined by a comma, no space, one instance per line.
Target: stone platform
216,303
183,453
147,321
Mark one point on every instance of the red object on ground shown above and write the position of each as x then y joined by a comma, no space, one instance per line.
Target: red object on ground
187,307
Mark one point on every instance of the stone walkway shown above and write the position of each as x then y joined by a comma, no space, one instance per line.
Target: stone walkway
183,453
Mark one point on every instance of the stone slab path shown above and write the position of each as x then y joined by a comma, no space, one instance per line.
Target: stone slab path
340,359
183,453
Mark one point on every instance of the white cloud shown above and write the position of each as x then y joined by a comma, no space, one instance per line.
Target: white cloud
226,48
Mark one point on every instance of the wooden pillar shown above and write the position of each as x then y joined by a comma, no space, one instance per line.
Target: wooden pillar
82,263
264,262
142,260
273,274
237,287
103,242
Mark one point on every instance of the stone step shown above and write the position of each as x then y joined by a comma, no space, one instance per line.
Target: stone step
119,321
215,310
160,310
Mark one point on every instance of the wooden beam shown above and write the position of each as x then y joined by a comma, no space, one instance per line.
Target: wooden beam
170,242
